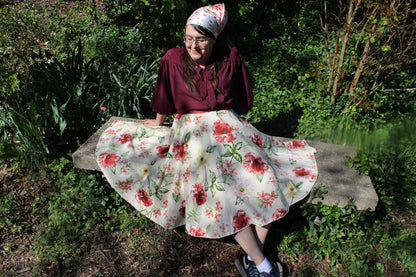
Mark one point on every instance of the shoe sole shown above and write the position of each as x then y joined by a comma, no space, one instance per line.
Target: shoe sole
240,267
280,268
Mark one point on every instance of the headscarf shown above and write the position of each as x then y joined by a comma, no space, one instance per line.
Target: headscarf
212,17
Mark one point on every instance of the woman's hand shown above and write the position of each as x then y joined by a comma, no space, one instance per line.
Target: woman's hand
154,122
150,122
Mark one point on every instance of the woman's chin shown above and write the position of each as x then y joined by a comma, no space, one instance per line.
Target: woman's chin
195,57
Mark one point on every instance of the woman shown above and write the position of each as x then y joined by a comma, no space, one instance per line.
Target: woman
211,171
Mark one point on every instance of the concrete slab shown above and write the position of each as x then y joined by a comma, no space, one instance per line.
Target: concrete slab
340,183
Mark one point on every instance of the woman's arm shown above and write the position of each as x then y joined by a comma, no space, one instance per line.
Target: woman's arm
160,118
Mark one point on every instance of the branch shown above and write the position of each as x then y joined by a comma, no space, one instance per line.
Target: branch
350,17
400,89
362,63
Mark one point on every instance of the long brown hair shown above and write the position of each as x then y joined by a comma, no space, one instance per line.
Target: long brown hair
220,50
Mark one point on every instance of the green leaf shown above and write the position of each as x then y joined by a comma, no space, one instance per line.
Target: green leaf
238,157
238,200
219,187
188,137
210,149
260,177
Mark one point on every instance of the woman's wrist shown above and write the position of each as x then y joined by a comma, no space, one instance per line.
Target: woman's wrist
160,118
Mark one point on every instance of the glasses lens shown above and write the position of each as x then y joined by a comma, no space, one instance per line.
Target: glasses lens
198,41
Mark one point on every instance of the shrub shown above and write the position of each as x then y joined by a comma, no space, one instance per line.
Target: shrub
77,201
127,73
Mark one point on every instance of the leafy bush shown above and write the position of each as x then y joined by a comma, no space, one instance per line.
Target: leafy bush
393,172
59,89
281,78
77,202
360,243
162,22
127,71
26,142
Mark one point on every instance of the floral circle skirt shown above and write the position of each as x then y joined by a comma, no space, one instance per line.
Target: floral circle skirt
212,172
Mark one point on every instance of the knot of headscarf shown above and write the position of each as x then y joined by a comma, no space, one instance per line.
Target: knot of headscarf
212,17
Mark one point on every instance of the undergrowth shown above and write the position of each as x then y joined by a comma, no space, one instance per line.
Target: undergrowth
77,206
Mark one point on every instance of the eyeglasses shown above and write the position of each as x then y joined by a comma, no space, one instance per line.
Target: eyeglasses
199,41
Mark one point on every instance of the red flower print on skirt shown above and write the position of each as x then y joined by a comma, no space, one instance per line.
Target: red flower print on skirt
162,151
256,139
296,144
223,132
124,138
267,198
197,231
279,213
182,209
240,220
124,185
144,197
108,159
254,164
199,194
179,150
301,172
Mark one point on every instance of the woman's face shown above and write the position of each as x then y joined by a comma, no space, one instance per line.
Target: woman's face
199,51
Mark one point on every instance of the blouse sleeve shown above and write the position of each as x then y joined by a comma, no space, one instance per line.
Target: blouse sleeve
162,101
243,100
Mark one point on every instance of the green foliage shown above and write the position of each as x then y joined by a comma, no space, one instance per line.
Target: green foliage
77,202
6,207
78,205
356,242
393,172
9,81
127,72
68,23
44,118
22,30
161,21
330,228
27,143
281,78
59,89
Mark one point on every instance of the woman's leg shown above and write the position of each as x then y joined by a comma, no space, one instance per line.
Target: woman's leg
261,233
252,241
251,244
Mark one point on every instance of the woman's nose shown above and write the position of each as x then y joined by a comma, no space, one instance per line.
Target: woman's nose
194,44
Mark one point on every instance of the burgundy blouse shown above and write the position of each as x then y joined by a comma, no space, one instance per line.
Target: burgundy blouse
171,95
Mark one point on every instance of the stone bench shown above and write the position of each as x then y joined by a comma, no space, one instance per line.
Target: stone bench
340,183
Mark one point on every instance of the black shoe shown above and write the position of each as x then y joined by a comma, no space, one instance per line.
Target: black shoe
246,267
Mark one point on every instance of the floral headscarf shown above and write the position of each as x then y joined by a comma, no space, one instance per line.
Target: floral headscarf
212,17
